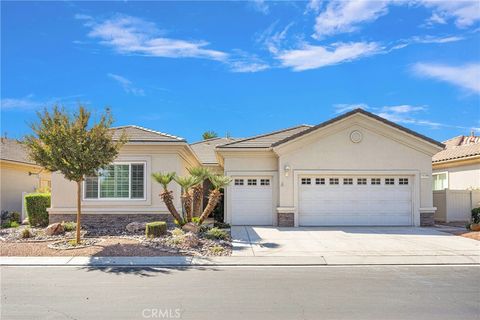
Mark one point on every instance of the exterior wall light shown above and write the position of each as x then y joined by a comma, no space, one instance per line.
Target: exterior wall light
287,170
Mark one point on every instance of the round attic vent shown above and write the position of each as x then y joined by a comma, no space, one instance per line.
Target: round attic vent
356,136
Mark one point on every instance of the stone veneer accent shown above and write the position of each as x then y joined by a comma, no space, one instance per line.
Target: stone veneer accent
286,219
426,219
115,221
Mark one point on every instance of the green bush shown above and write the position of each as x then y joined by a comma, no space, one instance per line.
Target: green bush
69,226
14,224
26,233
216,233
476,215
155,229
36,205
178,232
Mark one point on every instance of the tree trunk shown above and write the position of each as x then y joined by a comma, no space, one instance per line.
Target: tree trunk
213,200
168,200
197,199
187,204
79,209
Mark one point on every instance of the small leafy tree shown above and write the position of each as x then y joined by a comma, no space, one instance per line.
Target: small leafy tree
73,146
209,135
219,182
201,174
186,183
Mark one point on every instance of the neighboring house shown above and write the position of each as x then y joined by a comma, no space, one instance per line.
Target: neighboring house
456,177
18,174
356,169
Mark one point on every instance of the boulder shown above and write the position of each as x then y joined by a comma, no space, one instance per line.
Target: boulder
191,227
191,240
54,229
136,226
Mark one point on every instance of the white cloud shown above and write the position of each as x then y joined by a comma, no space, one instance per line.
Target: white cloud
260,6
244,66
130,35
465,76
312,57
343,107
314,6
29,102
404,108
127,85
464,12
345,16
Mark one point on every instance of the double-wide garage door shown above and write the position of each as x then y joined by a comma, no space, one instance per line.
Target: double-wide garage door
355,200
251,201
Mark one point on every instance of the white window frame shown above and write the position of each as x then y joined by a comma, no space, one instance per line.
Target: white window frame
331,180
403,184
252,182
239,182
320,181
379,180
437,174
388,183
350,181
84,193
264,182
306,181
364,181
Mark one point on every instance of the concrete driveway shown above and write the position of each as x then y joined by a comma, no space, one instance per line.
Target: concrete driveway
350,241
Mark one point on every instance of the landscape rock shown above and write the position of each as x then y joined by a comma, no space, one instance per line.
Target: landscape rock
136,226
191,227
191,240
54,229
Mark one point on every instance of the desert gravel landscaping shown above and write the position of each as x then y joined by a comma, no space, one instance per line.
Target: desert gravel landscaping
102,242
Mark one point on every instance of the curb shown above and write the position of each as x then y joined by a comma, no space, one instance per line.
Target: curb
182,261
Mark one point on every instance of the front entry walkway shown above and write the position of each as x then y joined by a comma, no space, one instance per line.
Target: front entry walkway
343,242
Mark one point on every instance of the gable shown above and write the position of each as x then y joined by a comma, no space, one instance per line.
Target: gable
359,120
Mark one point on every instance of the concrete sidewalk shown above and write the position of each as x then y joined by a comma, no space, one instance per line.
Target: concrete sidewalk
181,261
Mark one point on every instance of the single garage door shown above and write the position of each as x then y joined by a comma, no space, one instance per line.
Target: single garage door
251,201
355,201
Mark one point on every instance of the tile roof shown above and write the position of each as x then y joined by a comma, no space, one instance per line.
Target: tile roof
205,150
458,148
264,140
13,150
360,111
140,134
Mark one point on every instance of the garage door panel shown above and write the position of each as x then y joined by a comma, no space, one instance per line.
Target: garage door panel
355,204
251,204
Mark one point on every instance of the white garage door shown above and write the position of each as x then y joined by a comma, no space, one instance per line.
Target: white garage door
355,201
251,201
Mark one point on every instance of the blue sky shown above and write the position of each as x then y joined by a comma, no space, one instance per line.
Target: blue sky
243,67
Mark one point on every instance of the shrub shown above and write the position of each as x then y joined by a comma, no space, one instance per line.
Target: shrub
221,225
216,233
69,226
36,205
26,233
476,215
177,232
14,224
155,229
217,250
7,217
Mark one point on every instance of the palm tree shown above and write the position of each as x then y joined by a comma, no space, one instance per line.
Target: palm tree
167,196
218,182
186,183
202,174
209,135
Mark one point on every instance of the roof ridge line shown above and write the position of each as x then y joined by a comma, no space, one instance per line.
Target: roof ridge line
264,135
150,130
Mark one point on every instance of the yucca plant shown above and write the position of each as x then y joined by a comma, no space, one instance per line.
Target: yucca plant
219,182
202,174
187,182
167,195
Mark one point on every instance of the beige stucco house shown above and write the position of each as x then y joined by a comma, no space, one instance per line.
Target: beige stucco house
18,175
355,169
456,178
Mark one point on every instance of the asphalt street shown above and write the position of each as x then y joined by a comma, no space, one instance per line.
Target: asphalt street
355,292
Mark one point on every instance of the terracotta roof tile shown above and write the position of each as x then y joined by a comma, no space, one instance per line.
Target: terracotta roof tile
13,150
458,148
140,134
